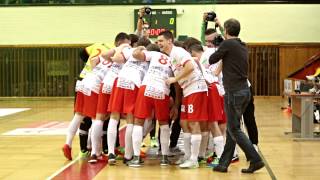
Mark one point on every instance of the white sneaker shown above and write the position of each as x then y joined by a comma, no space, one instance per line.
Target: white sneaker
189,164
181,160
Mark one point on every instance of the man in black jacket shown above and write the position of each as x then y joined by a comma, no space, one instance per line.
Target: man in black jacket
234,55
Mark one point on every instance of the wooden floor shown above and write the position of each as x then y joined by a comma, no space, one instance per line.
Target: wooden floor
40,157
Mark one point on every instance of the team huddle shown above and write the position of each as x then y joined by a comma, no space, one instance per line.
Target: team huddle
135,82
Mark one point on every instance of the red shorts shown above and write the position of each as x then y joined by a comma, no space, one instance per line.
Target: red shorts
145,105
79,105
103,101
215,108
90,105
195,107
122,100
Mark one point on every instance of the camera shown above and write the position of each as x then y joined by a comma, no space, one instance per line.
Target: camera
217,40
211,15
147,10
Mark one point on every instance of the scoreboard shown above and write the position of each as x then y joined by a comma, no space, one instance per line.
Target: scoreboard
159,20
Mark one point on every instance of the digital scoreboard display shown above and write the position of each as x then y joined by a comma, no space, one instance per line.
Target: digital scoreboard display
159,20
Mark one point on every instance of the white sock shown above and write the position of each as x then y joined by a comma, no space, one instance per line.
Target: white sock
147,127
89,139
96,135
128,149
187,145
210,144
164,139
137,139
73,127
195,146
218,145
203,144
112,135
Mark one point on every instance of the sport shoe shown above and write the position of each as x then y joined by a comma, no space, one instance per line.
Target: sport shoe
66,149
135,162
202,160
154,142
214,163
189,164
181,160
111,159
93,159
235,159
84,155
126,161
175,151
164,160
253,167
220,168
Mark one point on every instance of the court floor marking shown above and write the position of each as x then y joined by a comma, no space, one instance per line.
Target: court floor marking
10,111
63,168
72,163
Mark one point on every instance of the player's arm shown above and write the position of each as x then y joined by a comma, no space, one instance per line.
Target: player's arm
140,22
108,54
219,69
118,55
139,54
186,70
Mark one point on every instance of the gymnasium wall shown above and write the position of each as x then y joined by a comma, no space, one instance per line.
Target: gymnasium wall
88,24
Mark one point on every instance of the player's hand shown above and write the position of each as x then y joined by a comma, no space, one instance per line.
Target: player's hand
171,80
174,113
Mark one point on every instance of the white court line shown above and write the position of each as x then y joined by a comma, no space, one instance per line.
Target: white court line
9,111
63,168
72,162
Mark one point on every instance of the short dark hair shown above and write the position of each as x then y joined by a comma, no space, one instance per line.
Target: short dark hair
121,37
196,48
210,31
153,47
167,35
178,43
133,38
143,41
189,42
232,27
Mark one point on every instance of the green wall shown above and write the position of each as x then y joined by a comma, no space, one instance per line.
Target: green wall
88,24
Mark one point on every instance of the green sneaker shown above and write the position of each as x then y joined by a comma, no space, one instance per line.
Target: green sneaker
84,155
154,142
214,163
202,160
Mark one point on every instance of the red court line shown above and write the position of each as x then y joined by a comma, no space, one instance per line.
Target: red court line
81,170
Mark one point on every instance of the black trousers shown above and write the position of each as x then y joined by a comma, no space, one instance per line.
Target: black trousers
250,121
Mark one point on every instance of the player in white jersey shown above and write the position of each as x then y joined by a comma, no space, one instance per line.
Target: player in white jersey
87,90
153,96
215,97
123,97
194,102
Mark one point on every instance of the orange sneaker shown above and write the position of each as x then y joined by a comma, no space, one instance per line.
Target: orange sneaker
66,149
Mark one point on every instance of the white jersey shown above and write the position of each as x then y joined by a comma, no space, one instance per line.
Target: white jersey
209,70
132,72
93,79
195,81
159,71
